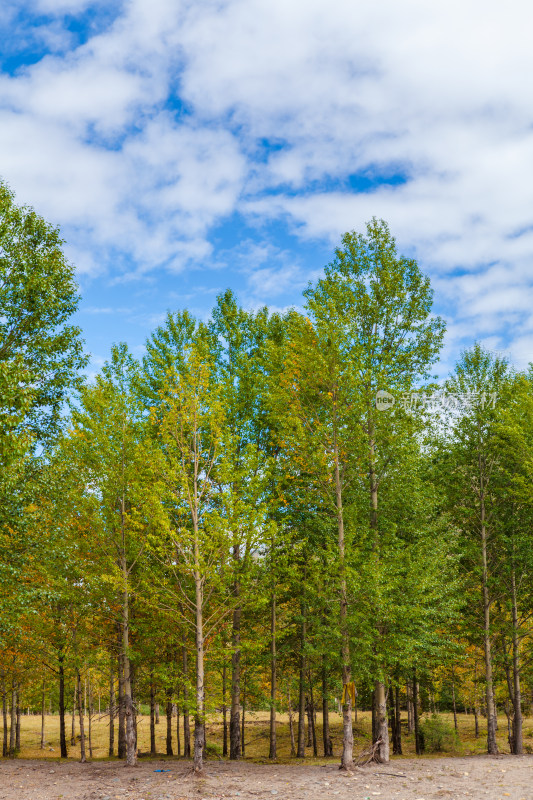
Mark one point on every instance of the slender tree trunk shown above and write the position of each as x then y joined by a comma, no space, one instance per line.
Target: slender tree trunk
153,751
309,738
17,737
43,713
418,741
199,717
476,722
301,694
234,724
326,738
382,726
291,721
121,710
5,748
454,703
156,711
518,747
398,720
492,747
178,733
129,712
90,709
83,757
243,745
347,727
186,720
111,713
169,720
410,715
73,719
392,719
62,726
224,709
13,724
312,716
273,677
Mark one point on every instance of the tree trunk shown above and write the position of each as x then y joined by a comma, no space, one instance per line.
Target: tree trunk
156,711
90,709
518,747
243,746
73,719
153,751
382,726
454,703
347,728
62,727
301,692
234,724
273,677
374,717
291,721
17,737
492,747
121,710
83,757
169,721
326,738
13,725
186,720
418,741
398,721
224,709
129,712
178,733
199,716
43,713
5,748
410,715
312,717
392,719
111,751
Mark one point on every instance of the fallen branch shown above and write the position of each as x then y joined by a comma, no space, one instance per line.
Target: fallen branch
371,755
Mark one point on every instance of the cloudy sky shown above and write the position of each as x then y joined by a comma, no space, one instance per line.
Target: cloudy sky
186,146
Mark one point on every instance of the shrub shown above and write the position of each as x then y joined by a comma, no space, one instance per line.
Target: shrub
439,735
213,749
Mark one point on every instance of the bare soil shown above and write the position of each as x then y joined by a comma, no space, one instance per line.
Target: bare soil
411,779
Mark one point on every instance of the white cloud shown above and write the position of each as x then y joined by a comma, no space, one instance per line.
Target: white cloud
142,139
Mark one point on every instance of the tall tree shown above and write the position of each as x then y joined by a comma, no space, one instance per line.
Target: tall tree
377,306
477,380
110,445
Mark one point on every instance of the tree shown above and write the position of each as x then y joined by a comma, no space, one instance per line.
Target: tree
109,443
377,307
477,380
38,294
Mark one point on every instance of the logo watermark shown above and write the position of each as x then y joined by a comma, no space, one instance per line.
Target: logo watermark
411,401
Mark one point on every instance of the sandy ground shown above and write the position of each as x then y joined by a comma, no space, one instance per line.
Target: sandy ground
411,779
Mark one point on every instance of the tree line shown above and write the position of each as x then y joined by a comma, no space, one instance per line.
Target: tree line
267,510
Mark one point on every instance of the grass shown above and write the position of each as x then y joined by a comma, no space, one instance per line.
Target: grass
256,738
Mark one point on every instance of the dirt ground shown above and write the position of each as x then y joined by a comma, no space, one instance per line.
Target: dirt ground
410,779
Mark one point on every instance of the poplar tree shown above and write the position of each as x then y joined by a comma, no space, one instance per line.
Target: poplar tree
479,380
377,305
110,445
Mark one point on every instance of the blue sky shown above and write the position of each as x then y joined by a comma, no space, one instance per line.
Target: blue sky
184,147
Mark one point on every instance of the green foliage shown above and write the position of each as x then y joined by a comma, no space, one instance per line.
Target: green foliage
439,736
38,294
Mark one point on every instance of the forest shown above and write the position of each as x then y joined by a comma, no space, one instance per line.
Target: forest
276,513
